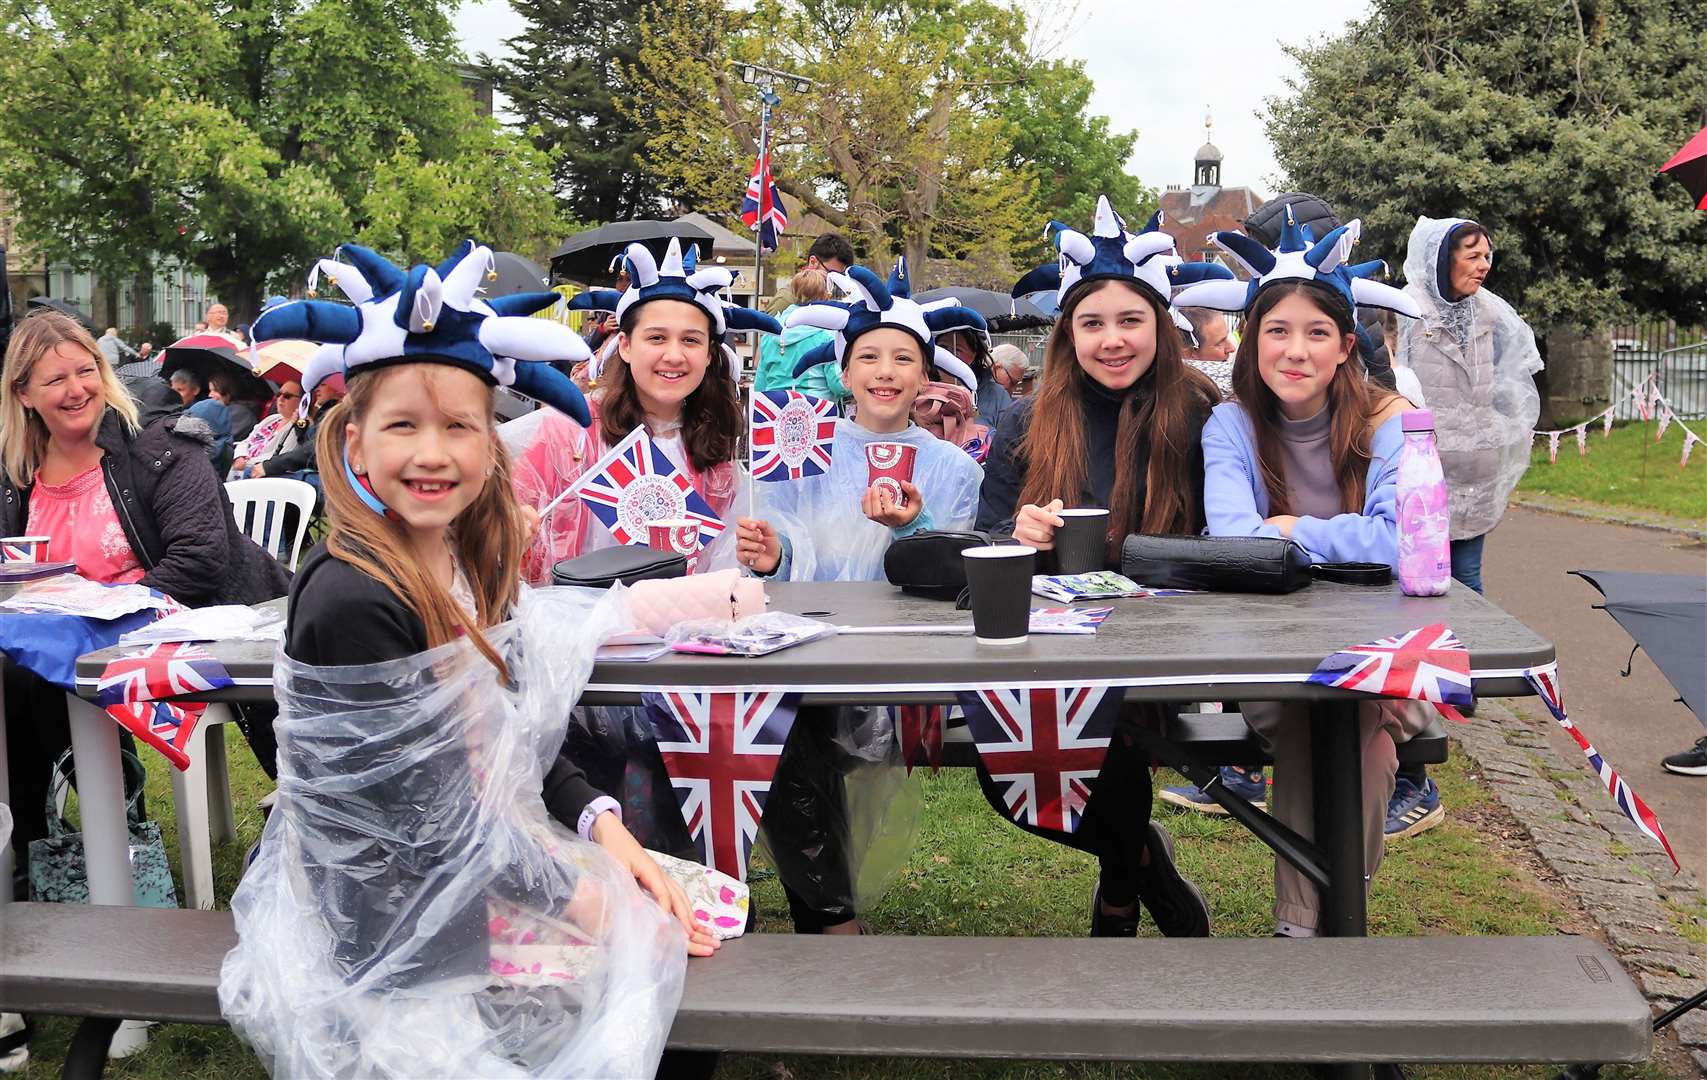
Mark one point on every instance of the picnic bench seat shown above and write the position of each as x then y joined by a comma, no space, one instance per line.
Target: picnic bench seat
1547,999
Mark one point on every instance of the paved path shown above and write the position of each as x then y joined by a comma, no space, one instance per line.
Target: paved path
1636,721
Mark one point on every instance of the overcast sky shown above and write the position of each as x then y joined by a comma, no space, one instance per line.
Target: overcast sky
1157,67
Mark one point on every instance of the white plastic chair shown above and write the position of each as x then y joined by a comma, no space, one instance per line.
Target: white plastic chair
252,499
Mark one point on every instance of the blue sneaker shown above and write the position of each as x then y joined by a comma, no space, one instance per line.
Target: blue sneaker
1413,809
1249,785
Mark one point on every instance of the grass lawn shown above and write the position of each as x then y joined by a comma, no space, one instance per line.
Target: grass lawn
972,873
1626,468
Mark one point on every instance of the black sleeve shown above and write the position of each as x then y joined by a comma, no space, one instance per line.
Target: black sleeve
298,458
341,617
568,791
1004,473
190,511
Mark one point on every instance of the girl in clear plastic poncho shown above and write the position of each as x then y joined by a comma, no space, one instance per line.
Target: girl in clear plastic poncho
1476,359
837,527
672,373
438,891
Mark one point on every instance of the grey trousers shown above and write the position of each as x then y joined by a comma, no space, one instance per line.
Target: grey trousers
1285,728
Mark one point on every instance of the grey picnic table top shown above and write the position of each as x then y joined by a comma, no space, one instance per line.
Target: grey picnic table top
1203,646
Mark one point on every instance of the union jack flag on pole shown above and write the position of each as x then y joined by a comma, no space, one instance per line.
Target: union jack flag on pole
1545,680
130,686
1043,747
721,750
762,207
792,435
1425,664
636,484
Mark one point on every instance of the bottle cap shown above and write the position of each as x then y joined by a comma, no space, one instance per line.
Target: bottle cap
1418,420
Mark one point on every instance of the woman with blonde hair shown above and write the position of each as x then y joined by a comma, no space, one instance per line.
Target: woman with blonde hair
124,503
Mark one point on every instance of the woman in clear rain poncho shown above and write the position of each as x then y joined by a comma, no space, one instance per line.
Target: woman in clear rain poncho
438,890
839,815
1476,359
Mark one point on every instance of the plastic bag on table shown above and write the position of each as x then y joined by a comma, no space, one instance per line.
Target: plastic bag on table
413,911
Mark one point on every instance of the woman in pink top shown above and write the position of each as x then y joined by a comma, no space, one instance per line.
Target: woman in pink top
78,518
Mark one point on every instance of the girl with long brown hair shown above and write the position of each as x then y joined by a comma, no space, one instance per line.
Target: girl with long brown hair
1309,450
1115,425
674,376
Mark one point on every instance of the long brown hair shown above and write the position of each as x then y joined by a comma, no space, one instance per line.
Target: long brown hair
1160,408
1352,401
711,415
490,535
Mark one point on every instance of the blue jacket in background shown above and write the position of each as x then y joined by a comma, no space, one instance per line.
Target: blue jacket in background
217,417
1235,501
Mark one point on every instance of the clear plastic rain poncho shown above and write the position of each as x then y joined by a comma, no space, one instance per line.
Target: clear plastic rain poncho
549,452
1476,359
413,911
825,535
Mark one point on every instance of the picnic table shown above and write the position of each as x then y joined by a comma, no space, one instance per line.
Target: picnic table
1195,647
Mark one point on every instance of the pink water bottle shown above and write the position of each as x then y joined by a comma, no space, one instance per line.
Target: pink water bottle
1425,512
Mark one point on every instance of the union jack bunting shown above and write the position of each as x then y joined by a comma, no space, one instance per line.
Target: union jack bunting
635,484
792,433
1545,680
130,686
721,751
762,207
1043,748
1425,664
919,727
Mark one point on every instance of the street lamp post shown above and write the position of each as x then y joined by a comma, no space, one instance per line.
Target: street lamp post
765,79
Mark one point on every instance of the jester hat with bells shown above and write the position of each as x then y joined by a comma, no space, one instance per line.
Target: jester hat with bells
678,277
1300,257
877,305
1147,259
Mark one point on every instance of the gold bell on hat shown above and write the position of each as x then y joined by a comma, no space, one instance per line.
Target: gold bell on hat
313,293
427,327
491,275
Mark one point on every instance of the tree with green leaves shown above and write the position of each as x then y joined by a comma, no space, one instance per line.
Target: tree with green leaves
568,68
909,140
1545,120
247,137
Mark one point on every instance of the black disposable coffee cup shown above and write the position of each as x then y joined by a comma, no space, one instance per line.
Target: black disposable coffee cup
1000,579
1081,541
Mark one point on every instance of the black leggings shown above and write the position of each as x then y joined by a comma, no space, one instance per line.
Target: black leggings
1116,823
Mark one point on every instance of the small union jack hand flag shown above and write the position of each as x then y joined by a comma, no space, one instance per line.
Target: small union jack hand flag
1545,680
1043,748
721,750
636,484
130,687
1426,664
792,433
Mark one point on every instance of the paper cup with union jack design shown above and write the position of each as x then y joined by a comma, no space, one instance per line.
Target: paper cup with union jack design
24,549
679,535
890,464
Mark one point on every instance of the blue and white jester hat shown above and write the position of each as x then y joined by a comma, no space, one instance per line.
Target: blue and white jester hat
430,314
1148,259
678,277
874,306
1299,257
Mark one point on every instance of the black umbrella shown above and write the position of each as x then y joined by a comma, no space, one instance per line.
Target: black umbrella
986,302
516,275
207,354
64,307
1666,614
587,256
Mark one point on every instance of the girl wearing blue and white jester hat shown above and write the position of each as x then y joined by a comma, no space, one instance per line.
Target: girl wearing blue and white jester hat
1114,425
436,875
837,527
673,373
1309,449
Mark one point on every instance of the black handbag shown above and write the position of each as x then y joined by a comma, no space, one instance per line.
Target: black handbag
629,563
929,563
1251,564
